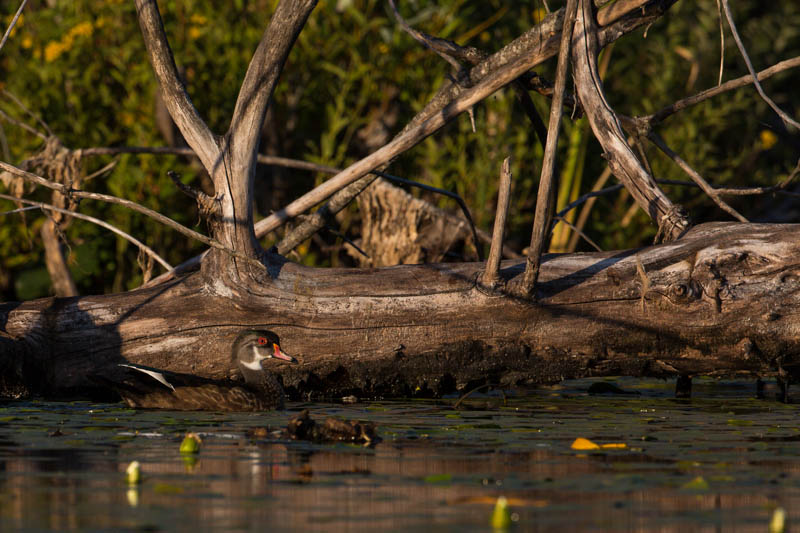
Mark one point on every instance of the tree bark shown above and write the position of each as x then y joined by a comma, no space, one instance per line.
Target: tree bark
720,301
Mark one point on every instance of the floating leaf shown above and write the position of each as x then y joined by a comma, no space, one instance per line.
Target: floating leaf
584,444
501,516
166,488
698,483
438,478
614,446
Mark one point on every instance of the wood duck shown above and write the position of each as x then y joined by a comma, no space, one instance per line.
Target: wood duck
149,388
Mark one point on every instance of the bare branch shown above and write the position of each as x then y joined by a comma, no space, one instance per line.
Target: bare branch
540,41
579,232
66,191
146,249
787,120
177,100
28,112
660,115
544,198
626,166
617,10
22,125
490,274
697,178
262,74
721,43
442,50
13,23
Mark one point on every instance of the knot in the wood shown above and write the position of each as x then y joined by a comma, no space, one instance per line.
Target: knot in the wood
685,291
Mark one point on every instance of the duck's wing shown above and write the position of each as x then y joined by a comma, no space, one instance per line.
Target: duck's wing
155,374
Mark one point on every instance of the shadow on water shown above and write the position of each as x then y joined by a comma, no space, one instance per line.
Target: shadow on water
720,461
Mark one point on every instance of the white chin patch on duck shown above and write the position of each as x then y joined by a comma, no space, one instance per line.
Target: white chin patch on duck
255,364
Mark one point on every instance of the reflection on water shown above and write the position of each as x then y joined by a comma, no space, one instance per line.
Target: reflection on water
62,466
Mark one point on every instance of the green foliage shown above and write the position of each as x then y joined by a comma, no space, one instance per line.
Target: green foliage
81,66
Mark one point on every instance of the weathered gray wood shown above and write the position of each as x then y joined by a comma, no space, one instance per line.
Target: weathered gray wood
719,301
671,219
491,275
177,100
545,200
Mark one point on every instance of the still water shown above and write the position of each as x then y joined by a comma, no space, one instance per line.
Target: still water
721,461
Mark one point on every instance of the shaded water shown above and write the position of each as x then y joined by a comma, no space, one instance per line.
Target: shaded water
62,465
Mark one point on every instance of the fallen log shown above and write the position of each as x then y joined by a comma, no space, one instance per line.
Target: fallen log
720,301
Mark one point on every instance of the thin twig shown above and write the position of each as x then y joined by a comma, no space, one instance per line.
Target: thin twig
743,81
696,177
490,275
476,389
721,43
423,38
20,210
578,232
74,193
146,249
66,191
600,192
28,112
583,217
106,168
735,191
22,125
13,23
786,118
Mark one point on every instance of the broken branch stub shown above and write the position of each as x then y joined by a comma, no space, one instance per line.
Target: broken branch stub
491,275
671,219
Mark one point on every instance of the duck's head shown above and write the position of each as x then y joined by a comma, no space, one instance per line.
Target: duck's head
253,346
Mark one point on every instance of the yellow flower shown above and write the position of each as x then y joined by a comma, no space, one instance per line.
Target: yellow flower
53,50
200,20
195,32
83,29
768,139
27,42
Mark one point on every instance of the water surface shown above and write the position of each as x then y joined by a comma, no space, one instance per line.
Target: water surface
721,461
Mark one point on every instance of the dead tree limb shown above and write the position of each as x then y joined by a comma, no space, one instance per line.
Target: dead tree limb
671,219
540,42
545,198
490,274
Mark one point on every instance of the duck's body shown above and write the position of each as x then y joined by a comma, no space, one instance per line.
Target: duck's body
149,388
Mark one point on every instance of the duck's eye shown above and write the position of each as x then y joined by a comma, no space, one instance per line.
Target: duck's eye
262,340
